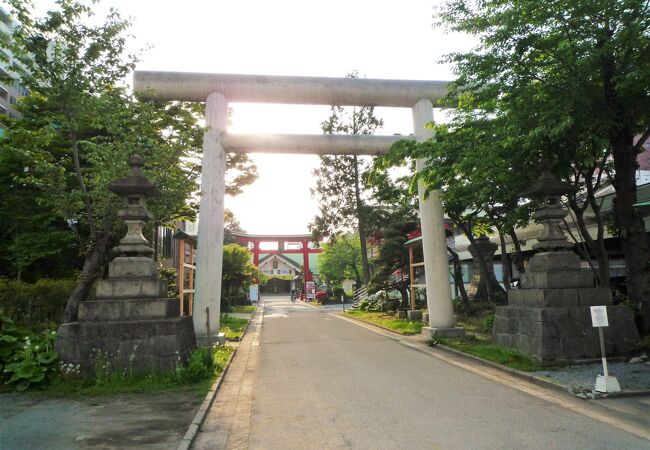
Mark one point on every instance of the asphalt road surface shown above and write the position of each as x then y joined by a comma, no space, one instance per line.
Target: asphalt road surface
314,381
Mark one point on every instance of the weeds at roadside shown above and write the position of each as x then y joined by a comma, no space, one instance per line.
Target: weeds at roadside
196,376
491,352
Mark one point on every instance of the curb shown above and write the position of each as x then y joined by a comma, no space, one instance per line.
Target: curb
199,417
484,362
378,326
312,305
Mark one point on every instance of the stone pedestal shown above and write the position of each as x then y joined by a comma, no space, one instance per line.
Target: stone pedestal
130,324
414,314
549,318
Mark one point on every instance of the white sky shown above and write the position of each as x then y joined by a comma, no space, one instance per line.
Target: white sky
381,39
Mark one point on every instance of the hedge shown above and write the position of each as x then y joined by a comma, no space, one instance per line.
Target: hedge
38,303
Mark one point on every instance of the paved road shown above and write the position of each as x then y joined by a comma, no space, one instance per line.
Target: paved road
311,380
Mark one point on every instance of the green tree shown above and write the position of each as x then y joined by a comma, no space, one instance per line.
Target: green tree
238,273
339,184
392,263
80,125
572,72
341,259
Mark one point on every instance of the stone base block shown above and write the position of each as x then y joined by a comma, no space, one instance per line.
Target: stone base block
132,267
431,333
129,309
414,315
137,345
545,298
219,339
401,314
562,333
558,279
425,317
117,288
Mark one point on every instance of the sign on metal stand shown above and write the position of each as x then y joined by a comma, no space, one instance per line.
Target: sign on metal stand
605,382
343,302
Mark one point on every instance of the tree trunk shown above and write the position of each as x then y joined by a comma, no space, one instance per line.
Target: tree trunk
631,227
361,222
519,255
505,262
488,281
458,280
401,287
596,246
93,266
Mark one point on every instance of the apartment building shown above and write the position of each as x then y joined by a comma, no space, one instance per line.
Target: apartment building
10,88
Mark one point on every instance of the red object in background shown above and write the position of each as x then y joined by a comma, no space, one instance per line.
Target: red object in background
413,234
322,295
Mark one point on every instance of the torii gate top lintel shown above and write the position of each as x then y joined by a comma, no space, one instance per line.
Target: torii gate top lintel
191,86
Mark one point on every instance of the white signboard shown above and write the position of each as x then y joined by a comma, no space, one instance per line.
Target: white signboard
254,293
599,316
311,290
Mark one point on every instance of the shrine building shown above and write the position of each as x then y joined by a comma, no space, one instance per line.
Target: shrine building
287,261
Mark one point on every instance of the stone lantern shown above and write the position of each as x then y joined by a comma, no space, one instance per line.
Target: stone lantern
549,317
131,321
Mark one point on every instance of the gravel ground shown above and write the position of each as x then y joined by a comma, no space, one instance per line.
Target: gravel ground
631,377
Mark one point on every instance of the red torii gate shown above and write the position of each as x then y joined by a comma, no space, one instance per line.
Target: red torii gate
281,240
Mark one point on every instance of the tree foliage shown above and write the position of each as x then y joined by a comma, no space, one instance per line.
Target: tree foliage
238,272
565,78
341,259
392,263
80,125
340,179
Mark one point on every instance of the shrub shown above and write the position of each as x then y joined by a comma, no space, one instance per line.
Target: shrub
200,366
26,361
486,324
322,296
338,291
42,302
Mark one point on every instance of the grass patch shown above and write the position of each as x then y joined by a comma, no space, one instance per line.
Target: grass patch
233,327
388,321
196,378
495,353
244,309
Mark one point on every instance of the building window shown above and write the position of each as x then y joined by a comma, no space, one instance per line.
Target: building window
275,264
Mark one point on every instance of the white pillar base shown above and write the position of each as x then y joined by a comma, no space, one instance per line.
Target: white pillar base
607,384
433,333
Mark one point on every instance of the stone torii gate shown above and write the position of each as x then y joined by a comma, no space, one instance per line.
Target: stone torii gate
216,90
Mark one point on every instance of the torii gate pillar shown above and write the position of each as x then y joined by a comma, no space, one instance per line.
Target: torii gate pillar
434,242
209,249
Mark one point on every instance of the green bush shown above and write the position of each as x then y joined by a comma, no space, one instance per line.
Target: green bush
26,361
37,303
200,366
486,324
